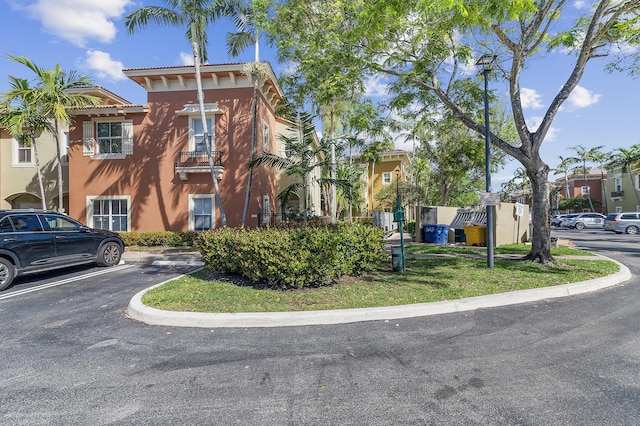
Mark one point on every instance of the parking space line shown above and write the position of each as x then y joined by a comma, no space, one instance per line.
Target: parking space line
65,281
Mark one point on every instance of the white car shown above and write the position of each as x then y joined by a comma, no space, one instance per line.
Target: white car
586,220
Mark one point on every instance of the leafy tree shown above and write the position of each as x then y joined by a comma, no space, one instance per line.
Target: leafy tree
195,15
21,117
626,159
423,48
53,95
519,183
600,158
577,204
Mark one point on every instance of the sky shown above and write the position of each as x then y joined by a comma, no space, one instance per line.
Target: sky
89,36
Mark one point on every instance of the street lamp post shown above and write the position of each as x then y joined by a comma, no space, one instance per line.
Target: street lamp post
485,61
399,217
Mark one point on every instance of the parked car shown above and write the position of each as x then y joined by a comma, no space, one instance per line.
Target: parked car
567,218
627,222
39,240
556,219
586,220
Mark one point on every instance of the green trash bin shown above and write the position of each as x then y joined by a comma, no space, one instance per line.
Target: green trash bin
396,259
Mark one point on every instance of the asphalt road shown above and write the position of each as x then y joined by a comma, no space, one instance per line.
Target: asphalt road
71,357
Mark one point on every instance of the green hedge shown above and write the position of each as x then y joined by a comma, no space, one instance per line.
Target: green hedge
159,238
293,257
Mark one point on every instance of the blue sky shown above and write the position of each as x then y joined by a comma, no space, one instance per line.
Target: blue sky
89,36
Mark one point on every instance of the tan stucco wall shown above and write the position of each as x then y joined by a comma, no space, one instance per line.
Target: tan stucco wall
20,180
509,228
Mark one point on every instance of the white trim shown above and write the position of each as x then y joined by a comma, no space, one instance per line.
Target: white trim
385,174
192,198
15,146
192,135
89,204
266,137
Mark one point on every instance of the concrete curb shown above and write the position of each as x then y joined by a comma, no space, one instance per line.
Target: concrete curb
138,311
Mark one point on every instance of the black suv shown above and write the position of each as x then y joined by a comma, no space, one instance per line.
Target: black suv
39,240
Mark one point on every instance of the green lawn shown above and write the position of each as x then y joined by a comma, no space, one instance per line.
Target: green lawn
425,280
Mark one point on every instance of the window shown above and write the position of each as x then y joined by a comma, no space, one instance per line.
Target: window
109,212
5,225
65,148
26,223
58,223
110,138
22,151
618,184
197,142
386,178
266,209
618,209
585,190
201,212
104,138
266,137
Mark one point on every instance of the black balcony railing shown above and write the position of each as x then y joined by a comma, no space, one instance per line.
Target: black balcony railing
617,194
198,159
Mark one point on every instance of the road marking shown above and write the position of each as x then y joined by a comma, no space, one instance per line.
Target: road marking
66,281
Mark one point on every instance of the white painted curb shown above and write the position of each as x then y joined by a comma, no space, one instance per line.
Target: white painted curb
137,310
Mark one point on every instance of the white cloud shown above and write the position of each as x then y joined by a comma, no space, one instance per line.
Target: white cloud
78,21
534,122
530,98
186,58
579,4
582,98
104,66
374,87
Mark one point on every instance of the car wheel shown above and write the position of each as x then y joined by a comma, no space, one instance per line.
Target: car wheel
7,273
579,225
110,254
632,229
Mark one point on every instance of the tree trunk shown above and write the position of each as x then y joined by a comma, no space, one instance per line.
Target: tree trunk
208,141
541,236
37,158
59,155
254,131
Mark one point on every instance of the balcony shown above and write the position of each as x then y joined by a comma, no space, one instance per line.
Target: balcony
198,162
617,194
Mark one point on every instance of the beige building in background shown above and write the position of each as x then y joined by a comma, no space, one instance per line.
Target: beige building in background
19,187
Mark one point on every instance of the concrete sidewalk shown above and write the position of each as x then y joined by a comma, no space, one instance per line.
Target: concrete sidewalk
137,310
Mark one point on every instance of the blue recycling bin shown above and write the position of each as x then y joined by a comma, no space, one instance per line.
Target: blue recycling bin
435,233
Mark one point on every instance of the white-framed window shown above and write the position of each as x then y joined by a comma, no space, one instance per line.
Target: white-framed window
196,133
584,190
64,152
22,151
201,212
266,138
386,178
636,181
266,209
618,184
110,212
107,138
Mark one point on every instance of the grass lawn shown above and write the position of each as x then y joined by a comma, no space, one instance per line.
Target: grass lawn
427,279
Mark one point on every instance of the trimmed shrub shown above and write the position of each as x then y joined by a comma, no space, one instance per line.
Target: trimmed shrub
295,257
159,238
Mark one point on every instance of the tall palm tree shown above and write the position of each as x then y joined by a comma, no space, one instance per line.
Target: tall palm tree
600,157
565,166
303,158
626,159
195,15
585,155
54,96
21,117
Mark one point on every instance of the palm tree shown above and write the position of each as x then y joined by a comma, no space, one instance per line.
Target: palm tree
565,166
584,155
599,157
302,159
53,95
195,15
626,159
21,117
